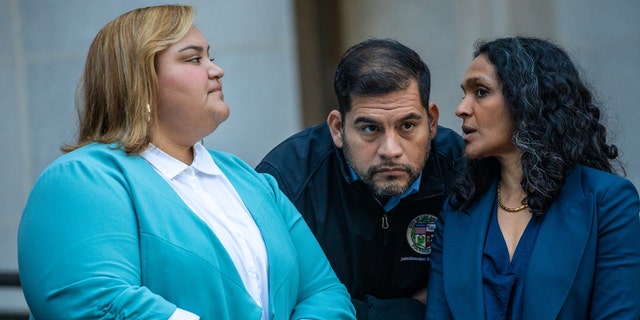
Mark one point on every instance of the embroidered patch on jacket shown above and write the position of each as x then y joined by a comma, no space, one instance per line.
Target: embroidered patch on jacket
420,232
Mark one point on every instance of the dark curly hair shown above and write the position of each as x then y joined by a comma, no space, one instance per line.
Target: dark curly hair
555,117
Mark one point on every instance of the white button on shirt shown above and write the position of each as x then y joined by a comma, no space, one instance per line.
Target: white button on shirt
207,191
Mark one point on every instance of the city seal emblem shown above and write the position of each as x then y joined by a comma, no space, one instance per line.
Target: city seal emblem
420,233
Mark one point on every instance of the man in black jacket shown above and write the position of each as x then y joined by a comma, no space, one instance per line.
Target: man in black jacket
371,181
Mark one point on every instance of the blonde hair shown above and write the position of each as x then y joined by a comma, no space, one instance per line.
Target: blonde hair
119,86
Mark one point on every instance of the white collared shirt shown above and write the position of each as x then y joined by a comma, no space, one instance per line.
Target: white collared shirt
207,191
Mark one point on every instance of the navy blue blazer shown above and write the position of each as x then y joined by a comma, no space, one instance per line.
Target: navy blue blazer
585,262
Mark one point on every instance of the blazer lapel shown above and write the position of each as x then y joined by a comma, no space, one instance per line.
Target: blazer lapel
169,209
558,252
259,202
465,234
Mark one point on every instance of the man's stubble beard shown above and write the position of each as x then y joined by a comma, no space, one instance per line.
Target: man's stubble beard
390,187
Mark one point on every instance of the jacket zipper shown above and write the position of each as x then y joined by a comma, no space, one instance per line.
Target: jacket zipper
385,222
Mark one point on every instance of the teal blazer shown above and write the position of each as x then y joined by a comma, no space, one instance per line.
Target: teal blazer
585,262
104,236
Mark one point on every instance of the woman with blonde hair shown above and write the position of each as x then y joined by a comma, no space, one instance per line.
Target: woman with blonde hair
138,220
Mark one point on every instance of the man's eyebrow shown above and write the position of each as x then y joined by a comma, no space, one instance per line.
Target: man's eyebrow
410,116
362,119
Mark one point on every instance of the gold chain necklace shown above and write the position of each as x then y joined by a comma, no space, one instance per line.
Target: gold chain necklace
520,208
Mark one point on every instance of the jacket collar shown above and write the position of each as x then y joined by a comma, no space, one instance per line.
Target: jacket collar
465,233
343,165
558,251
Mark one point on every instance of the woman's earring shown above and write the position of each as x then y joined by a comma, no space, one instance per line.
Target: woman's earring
148,113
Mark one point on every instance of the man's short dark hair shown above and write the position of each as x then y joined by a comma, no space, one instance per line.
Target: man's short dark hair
377,67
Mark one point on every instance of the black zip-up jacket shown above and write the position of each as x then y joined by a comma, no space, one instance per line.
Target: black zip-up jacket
381,257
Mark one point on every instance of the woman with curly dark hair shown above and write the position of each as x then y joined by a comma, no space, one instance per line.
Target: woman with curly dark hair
539,226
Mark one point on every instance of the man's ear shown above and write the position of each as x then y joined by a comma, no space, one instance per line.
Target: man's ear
434,114
334,120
